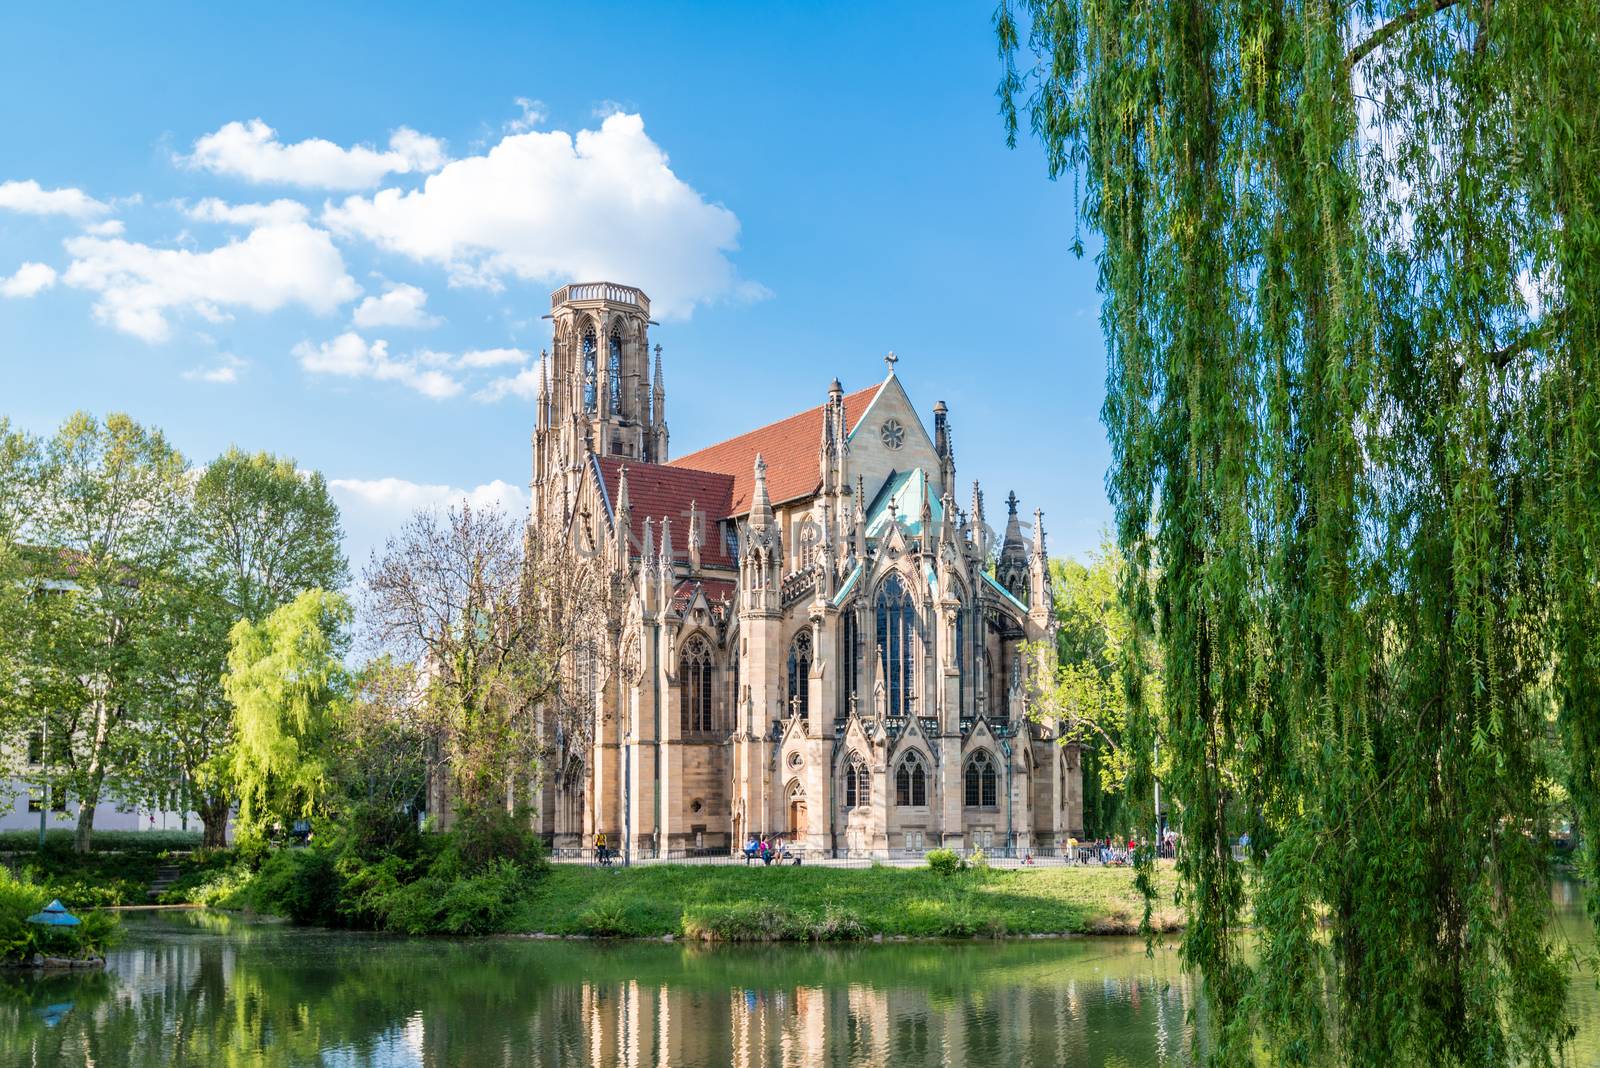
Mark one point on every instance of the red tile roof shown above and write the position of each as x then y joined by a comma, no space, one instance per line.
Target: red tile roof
656,491
789,448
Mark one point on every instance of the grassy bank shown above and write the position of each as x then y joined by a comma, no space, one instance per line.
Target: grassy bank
734,903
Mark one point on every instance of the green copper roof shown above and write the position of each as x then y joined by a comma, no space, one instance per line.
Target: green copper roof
907,489
1002,591
849,584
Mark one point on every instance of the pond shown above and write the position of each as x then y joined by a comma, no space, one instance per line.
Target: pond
200,988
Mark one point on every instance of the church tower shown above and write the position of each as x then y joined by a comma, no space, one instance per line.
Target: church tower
596,392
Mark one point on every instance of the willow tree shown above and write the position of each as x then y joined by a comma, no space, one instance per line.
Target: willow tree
1350,264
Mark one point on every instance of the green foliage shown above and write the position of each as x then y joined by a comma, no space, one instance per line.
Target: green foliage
20,940
287,684
104,841
945,861
302,884
1349,265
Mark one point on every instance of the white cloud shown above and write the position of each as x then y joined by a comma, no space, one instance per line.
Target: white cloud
224,372
490,357
251,150
212,209
401,305
534,113
274,266
550,208
524,384
30,280
105,228
372,510
32,199
351,356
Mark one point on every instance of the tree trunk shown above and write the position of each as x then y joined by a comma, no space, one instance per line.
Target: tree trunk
83,837
213,812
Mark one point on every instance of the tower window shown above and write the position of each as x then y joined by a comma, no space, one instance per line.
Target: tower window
589,371
614,374
799,697
852,641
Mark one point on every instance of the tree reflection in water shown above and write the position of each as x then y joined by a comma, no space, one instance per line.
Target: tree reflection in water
203,989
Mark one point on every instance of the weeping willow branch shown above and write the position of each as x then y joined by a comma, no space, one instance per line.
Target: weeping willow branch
1378,37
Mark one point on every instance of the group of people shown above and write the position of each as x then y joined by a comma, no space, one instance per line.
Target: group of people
759,848
1111,850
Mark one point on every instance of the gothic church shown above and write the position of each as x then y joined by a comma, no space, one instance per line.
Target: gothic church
812,643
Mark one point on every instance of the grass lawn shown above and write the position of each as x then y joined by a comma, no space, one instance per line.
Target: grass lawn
747,904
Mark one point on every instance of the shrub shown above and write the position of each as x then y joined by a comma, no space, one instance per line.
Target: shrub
978,861
743,921
482,837
837,925
945,861
302,884
19,939
103,841
610,917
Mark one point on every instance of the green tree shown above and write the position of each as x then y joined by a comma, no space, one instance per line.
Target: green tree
266,531
1086,697
288,687
1349,265
107,538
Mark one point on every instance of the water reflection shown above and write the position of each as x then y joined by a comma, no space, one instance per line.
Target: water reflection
203,989
208,989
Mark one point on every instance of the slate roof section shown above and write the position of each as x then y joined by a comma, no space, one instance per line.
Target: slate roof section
657,491
789,448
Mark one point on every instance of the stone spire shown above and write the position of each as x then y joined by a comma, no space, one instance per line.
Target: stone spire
624,516
859,536
665,561
1039,585
696,534
1012,568
760,502
658,413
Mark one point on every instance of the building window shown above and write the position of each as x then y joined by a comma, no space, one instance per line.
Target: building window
36,747
799,696
852,644
614,374
896,632
589,371
694,687
857,786
911,782
980,781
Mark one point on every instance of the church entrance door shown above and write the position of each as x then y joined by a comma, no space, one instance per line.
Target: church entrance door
797,818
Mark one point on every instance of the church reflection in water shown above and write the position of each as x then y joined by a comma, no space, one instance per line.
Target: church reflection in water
197,990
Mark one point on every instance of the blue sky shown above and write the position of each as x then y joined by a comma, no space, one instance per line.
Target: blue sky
331,233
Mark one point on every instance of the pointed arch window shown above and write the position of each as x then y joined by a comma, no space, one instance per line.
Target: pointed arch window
614,373
694,687
590,370
799,696
911,782
981,781
857,783
896,632
851,650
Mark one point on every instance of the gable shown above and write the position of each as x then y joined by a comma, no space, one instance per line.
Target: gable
875,461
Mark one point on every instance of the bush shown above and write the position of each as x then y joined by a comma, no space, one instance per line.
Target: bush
743,921
945,861
302,884
20,940
482,837
473,904
103,841
610,917
837,925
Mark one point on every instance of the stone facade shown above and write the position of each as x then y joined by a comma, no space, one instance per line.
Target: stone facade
811,643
